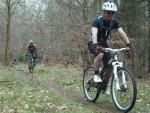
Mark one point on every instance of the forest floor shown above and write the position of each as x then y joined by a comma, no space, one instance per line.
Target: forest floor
56,89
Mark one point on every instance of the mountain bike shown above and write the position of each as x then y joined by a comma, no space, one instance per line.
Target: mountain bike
123,84
31,62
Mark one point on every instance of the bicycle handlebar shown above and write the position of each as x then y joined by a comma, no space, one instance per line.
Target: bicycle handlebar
116,50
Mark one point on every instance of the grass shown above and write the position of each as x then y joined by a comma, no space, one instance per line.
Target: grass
18,96
72,79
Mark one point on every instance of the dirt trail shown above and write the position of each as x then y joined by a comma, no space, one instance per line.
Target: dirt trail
61,91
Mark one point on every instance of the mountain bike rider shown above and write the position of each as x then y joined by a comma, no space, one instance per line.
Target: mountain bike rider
100,31
32,49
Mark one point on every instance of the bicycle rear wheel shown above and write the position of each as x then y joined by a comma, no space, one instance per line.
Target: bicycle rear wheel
125,97
90,88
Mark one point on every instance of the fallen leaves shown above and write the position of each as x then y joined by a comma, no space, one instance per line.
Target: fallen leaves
26,106
54,107
140,97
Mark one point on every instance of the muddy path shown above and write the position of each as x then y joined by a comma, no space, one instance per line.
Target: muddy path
65,93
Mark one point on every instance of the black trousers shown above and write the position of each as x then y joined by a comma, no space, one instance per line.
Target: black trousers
107,55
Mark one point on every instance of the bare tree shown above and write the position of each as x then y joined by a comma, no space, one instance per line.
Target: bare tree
148,13
9,9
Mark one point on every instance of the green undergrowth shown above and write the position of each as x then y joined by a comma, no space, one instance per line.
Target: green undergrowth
17,95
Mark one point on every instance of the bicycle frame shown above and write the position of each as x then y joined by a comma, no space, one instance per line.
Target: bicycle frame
115,64
31,62
30,58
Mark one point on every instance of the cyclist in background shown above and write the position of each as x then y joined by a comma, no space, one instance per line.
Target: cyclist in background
101,28
32,49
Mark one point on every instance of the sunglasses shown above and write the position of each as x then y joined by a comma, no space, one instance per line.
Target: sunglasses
110,12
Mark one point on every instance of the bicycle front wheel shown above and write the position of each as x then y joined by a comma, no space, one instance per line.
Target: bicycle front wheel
90,88
124,97
31,67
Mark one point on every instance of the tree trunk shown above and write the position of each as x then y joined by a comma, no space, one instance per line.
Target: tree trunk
7,38
149,39
149,52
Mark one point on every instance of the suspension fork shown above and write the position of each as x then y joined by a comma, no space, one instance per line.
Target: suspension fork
123,78
115,66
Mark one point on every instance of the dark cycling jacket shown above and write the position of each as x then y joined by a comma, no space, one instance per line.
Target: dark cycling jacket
32,48
104,28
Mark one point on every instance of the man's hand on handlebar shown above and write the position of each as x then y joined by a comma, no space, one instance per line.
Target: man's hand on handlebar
131,46
99,48
131,49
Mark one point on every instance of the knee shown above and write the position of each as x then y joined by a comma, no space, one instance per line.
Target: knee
100,56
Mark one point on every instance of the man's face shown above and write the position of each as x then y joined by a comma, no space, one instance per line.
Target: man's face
31,43
109,14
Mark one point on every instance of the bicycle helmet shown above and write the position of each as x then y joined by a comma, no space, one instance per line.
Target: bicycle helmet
109,6
31,41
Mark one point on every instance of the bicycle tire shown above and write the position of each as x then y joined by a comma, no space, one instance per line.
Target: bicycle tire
86,94
133,100
31,66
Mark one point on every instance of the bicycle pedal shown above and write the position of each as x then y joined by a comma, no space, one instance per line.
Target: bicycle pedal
100,86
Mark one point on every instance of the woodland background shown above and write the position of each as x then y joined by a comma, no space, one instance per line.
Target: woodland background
60,28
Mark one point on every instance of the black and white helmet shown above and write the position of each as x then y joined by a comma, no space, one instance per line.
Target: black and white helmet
109,6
